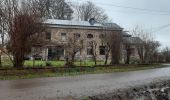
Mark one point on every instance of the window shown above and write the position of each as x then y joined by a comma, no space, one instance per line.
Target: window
55,52
77,35
48,35
59,51
133,51
89,51
89,35
101,36
102,50
63,36
50,53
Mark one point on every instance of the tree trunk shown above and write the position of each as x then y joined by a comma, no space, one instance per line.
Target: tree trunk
33,62
127,59
69,62
18,61
115,57
2,46
115,48
106,59
128,54
72,58
0,60
95,61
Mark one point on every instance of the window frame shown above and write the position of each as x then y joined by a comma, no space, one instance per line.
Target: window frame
63,35
102,36
89,51
77,35
102,50
48,35
90,36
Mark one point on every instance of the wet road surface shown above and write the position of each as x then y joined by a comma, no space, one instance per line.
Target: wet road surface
77,86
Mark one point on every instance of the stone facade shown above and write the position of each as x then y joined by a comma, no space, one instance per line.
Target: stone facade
57,36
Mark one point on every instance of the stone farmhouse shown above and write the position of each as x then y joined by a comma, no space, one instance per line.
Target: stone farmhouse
58,32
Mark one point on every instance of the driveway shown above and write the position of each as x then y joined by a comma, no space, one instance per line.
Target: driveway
77,86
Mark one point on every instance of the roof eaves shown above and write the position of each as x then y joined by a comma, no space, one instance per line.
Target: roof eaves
80,26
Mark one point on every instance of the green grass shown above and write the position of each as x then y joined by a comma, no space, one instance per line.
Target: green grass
26,74
38,63
62,63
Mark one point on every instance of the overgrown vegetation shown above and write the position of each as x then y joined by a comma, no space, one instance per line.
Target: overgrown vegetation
56,72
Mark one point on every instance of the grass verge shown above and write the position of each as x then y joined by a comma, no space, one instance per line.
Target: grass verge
14,74
6,63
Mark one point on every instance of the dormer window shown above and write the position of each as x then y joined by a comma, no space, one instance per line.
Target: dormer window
90,36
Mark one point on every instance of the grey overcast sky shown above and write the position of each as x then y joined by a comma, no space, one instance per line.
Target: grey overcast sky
153,21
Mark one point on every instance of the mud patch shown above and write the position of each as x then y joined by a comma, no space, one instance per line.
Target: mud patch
153,91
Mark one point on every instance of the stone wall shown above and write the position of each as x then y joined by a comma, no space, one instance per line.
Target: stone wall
56,40
56,37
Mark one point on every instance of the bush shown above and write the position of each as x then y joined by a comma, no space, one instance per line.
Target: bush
134,61
48,64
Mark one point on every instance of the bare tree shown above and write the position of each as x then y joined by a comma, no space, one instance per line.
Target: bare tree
115,47
128,53
88,10
7,8
23,24
57,9
151,51
112,41
1,31
166,54
72,47
129,44
93,46
107,52
147,47
105,41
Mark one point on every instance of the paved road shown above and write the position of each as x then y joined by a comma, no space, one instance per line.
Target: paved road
83,85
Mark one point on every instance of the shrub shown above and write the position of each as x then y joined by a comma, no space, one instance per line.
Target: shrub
48,64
